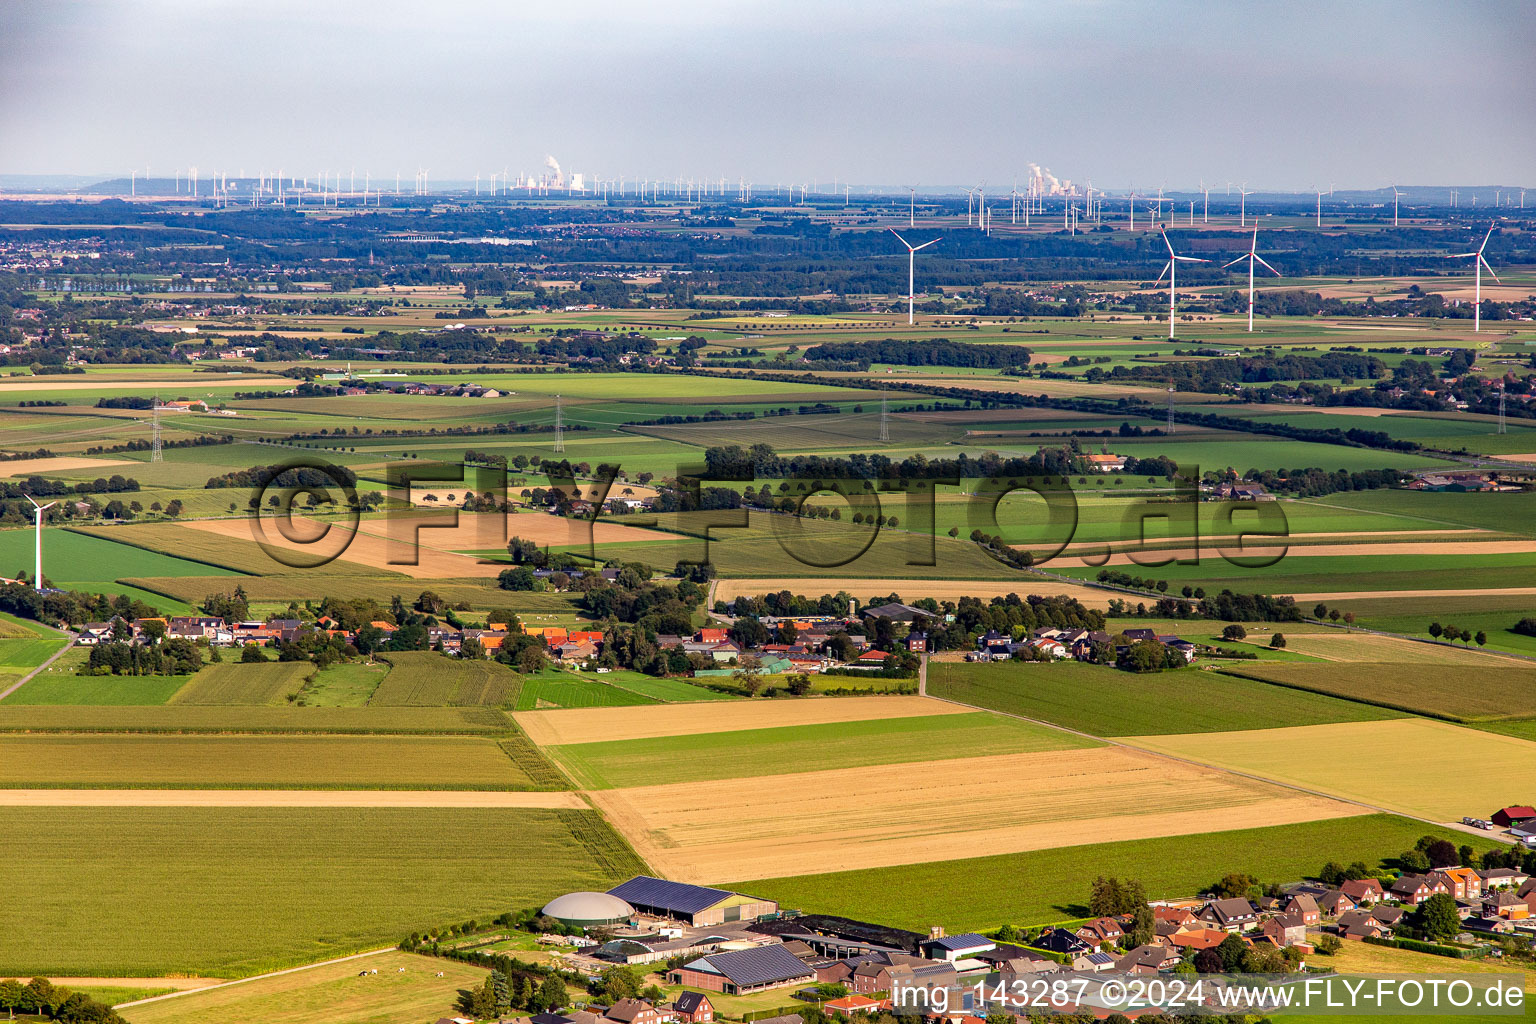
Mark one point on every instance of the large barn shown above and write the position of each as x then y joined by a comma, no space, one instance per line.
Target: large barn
697,905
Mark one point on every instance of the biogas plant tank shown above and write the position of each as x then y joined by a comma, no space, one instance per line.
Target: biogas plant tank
586,909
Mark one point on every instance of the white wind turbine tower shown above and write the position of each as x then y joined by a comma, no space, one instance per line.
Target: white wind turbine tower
1396,195
1242,205
1479,261
911,268
912,206
1252,256
1171,268
37,519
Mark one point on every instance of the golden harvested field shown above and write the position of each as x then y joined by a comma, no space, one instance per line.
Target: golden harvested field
369,550
58,464
1336,646
286,798
592,725
330,992
1367,595
475,532
938,810
1413,765
1362,958
911,590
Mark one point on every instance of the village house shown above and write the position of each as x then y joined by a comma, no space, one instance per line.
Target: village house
1363,890
693,1008
1232,915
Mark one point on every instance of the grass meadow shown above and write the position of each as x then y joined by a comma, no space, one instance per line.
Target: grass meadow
1103,701
758,752
237,891
251,719
555,689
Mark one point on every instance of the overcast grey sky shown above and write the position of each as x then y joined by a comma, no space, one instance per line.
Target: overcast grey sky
1286,94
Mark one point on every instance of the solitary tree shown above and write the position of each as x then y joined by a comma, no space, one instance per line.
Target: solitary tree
1277,641
1437,917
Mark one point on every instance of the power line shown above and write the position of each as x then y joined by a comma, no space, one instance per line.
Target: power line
559,426
885,419
154,431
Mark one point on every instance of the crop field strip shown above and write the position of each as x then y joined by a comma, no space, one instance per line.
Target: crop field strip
292,885
1104,702
593,725
423,679
1039,887
1462,692
178,718
1405,764
231,682
791,749
837,819
382,761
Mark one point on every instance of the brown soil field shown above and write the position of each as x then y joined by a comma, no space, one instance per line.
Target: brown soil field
364,549
283,798
1404,764
912,589
476,532
873,817
57,464
590,725
1527,457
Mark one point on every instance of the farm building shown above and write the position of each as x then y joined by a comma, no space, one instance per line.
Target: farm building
1507,816
588,909
695,904
742,971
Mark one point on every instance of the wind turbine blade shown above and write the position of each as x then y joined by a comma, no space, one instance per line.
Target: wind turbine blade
46,507
1489,267
1485,239
926,244
1190,259
1169,245
1266,266
1462,255
1240,259
1160,276
898,235
34,503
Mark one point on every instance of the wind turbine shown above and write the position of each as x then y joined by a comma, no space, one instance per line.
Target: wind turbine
1252,256
1479,261
37,517
1171,268
911,267
1242,205
1396,195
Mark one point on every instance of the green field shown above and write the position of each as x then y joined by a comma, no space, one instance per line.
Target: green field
1298,574
424,679
1052,885
729,755
84,562
662,689
24,646
552,688
251,719
347,684
232,682
1503,688
71,761
237,891
1104,701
